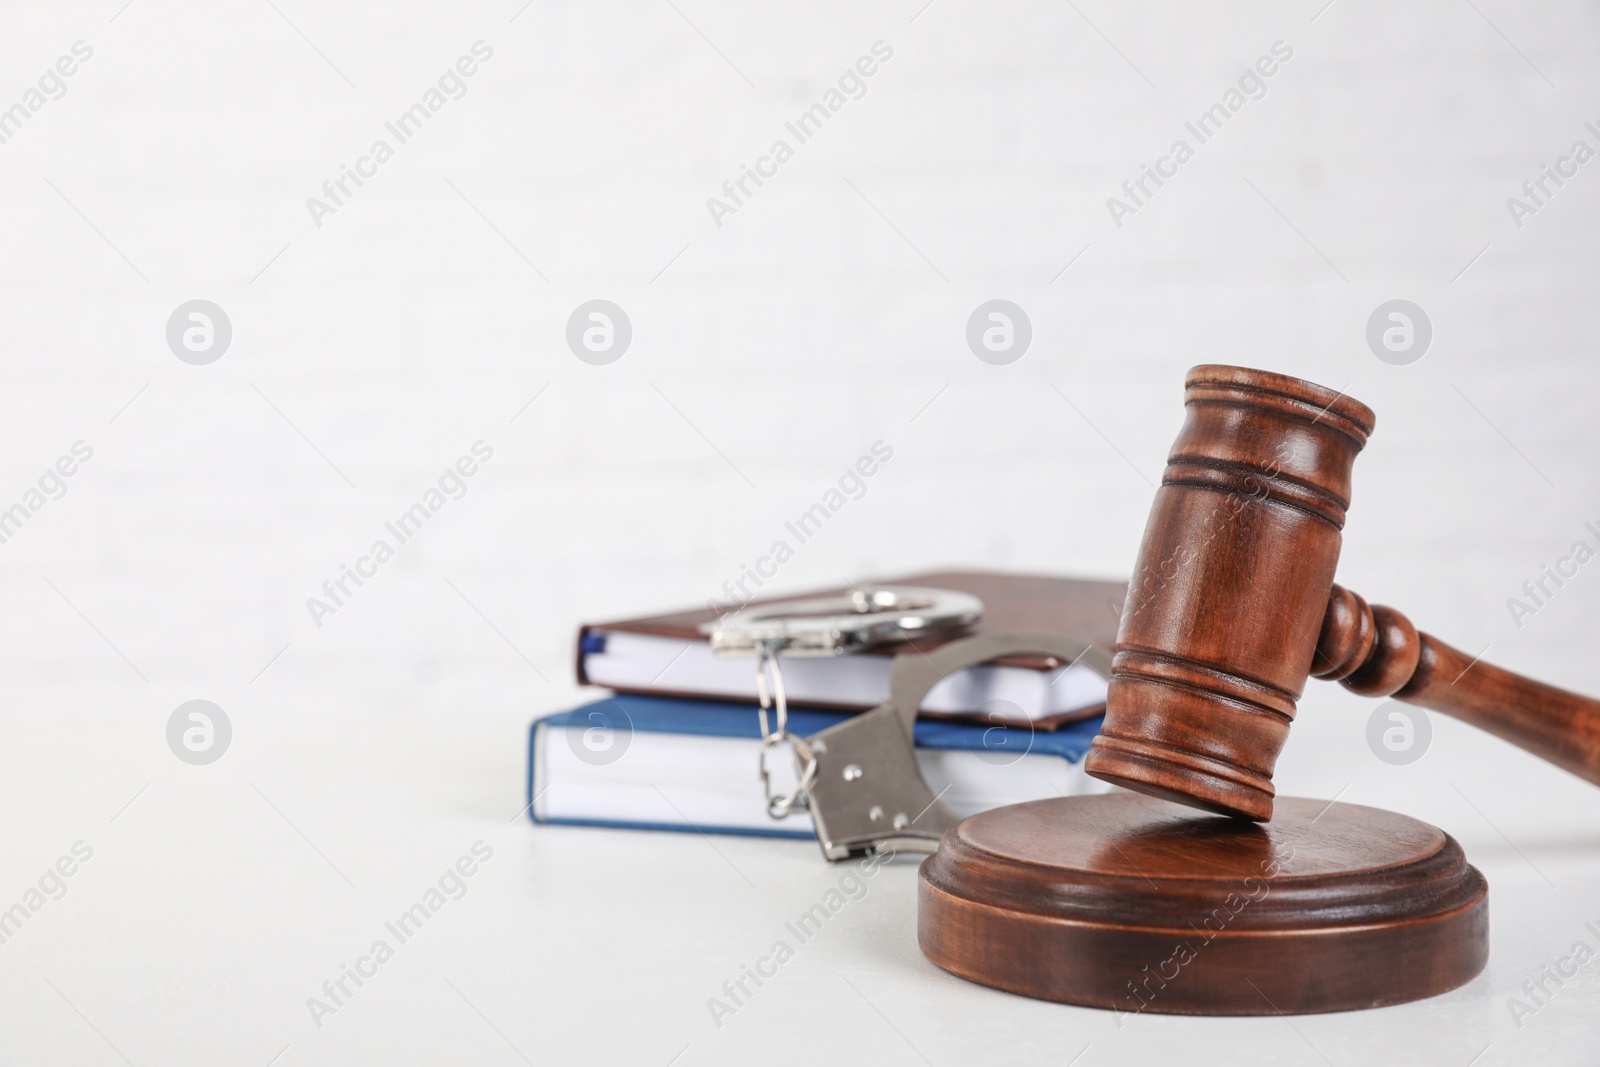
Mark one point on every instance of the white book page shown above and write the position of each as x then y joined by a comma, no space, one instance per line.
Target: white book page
687,779
642,661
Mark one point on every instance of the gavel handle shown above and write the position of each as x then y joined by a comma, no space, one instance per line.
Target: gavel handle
1376,651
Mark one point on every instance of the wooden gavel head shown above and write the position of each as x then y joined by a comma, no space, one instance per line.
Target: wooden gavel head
1230,590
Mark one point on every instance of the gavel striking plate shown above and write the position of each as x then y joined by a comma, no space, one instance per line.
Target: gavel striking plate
1250,905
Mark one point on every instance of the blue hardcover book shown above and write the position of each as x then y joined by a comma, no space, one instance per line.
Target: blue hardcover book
657,763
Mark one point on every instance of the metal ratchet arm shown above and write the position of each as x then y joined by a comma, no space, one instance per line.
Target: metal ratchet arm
868,793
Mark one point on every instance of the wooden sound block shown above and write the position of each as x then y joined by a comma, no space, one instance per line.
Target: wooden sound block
1128,902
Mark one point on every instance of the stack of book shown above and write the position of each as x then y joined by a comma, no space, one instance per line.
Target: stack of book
675,744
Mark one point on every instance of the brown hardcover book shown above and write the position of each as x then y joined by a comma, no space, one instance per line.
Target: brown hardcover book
668,655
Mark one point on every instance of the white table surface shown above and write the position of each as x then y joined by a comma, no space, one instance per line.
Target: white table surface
222,897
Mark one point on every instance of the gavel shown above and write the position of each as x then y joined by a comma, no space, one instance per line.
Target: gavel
1233,606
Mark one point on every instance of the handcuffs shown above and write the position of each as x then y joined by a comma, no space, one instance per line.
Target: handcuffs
859,779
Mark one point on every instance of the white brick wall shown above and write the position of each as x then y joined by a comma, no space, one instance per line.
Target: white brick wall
801,331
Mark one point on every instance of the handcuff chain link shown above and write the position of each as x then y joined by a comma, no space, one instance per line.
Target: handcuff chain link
770,692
